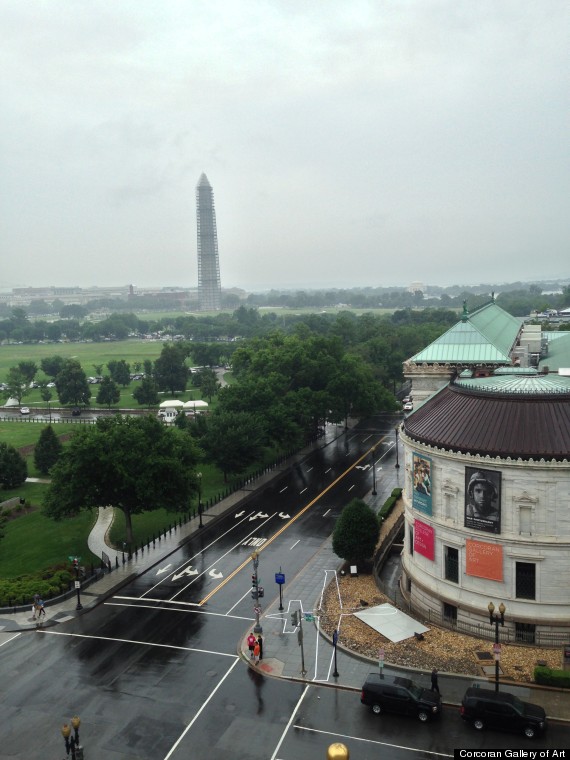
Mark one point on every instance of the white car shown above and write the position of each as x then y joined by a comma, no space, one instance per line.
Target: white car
24,410
408,406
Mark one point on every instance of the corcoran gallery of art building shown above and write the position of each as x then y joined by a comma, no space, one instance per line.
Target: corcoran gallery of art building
487,505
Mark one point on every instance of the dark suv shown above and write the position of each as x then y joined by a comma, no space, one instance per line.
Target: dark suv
499,709
399,695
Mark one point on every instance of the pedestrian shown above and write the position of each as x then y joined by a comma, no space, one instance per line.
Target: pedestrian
260,642
434,682
256,653
251,643
35,605
41,608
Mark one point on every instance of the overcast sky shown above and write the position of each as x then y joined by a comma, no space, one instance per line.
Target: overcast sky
348,143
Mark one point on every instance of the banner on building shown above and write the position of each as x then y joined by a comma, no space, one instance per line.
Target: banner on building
483,499
421,485
484,560
424,540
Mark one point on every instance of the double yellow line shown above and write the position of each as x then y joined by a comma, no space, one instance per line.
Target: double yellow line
289,523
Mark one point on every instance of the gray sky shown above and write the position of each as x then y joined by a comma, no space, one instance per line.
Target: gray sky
348,143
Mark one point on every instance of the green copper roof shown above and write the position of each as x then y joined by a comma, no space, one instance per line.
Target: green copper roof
558,353
529,385
515,371
485,336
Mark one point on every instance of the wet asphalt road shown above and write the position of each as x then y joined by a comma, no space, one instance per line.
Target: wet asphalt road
154,671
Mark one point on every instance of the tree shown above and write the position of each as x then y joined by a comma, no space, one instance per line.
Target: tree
120,372
141,465
234,441
13,467
355,533
28,369
109,392
170,370
16,385
146,394
52,365
71,384
47,450
208,383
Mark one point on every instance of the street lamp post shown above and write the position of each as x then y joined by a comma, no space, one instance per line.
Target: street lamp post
496,620
72,742
75,561
397,465
335,641
255,593
199,476
374,491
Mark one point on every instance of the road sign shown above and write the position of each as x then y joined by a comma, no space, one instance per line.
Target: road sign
257,610
381,655
497,648
77,584
280,578
309,617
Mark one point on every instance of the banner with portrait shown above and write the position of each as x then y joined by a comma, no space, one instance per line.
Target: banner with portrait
421,484
483,499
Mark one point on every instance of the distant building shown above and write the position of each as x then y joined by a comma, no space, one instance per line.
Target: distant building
209,287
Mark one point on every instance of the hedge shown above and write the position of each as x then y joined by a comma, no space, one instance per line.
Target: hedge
388,505
50,583
551,677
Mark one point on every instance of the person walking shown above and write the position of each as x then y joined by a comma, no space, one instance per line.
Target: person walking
260,642
41,608
251,643
35,606
434,681
256,650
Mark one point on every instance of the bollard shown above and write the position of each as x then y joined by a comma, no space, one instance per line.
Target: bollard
116,562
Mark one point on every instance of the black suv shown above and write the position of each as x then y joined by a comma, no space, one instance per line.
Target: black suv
499,709
399,695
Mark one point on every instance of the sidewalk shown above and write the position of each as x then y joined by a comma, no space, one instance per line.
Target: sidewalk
282,655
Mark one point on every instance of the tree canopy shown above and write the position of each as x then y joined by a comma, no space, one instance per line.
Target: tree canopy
13,467
136,464
47,450
356,533
71,384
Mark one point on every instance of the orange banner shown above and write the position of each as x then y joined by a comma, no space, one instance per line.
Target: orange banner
484,560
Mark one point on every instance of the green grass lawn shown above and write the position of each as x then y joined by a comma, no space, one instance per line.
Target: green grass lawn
34,542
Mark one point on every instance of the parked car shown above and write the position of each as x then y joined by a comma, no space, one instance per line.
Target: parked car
168,415
502,710
408,406
24,410
394,694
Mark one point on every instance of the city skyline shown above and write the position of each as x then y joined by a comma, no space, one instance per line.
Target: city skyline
364,145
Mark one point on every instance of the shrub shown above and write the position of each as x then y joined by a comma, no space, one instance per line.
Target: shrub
355,533
551,677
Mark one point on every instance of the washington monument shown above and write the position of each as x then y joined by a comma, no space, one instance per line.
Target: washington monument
209,287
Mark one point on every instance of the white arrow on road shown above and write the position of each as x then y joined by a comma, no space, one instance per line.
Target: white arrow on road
163,569
259,514
240,514
214,574
284,517
187,571
362,466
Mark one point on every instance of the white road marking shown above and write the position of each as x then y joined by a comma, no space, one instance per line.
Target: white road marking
303,491
370,741
290,721
294,545
176,609
326,513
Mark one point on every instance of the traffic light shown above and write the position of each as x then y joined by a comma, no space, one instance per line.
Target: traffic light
254,580
295,618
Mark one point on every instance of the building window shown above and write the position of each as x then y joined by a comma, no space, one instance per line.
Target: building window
525,580
411,534
525,633
451,564
450,614
525,520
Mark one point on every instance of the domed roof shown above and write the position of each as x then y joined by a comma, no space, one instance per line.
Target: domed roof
506,416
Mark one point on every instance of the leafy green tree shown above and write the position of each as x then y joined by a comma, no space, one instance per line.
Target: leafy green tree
109,392
120,372
71,384
234,441
47,450
98,369
136,464
146,394
28,369
355,533
170,370
208,383
52,365
17,387
13,467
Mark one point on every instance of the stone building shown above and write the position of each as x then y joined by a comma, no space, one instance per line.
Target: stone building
487,505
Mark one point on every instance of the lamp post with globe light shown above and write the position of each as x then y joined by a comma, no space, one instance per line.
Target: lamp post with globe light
496,620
